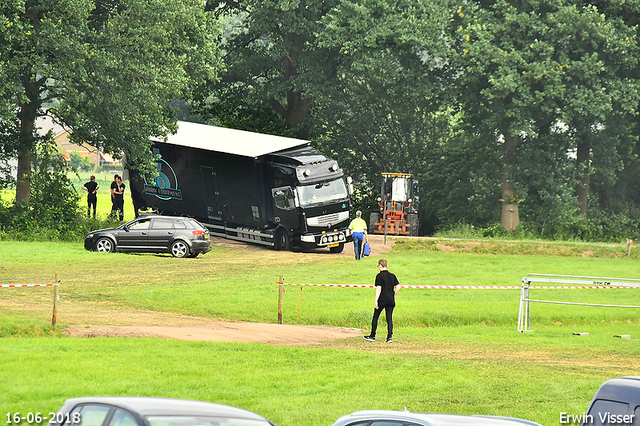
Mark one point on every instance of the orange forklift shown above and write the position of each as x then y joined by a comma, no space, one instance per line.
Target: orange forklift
398,206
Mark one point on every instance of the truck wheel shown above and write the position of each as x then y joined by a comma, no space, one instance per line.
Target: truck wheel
282,240
337,249
373,219
412,220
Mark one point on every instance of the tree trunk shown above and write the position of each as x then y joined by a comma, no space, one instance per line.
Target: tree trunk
23,185
27,125
297,106
296,111
582,188
26,140
510,218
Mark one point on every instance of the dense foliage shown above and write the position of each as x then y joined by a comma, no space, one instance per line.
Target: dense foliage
106,70
518,116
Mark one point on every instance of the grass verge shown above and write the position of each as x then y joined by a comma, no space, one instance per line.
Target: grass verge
454,350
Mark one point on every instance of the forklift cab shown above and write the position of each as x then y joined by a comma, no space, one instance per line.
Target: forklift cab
398,203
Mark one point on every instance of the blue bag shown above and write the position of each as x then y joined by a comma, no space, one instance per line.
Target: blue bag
366,250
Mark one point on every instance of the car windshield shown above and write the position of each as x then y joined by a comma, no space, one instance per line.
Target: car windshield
322,192
203,421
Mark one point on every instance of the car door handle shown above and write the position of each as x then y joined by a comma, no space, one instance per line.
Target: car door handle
144,233
170,232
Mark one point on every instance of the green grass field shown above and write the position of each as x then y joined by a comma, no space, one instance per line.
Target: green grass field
454,351
103,205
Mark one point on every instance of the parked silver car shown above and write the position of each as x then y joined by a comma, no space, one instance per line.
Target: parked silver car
149,411
407,418
180,236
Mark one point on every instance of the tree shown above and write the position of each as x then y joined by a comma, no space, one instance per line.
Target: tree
385,110
75,159
529,64
274,64
105,71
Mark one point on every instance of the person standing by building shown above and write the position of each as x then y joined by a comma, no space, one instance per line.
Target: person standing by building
92,199
359,234
386,290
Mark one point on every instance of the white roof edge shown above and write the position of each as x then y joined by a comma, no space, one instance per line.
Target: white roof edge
230,141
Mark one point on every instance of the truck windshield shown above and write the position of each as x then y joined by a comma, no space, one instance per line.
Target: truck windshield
322,192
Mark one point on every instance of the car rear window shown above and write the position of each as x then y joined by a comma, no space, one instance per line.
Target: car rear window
90,415
179,224
122,418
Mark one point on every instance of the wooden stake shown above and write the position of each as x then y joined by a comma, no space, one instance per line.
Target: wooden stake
54,316
300,305
280,300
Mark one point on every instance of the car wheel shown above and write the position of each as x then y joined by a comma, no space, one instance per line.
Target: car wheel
105,245
179,249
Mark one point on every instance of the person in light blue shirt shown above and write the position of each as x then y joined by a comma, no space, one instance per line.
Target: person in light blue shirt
359,234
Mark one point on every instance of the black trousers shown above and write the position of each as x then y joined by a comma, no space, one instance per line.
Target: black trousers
117,208
388,313
92,200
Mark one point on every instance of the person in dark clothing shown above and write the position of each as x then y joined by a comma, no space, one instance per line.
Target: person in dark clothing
117,197
114,189
92,199
386,290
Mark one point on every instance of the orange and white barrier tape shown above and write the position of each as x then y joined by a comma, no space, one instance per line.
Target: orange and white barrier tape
28,285
461,287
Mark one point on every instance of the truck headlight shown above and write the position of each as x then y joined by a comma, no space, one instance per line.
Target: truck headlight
308,239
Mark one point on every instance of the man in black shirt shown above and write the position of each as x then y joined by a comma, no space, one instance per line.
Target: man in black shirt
117,197
92,199
386,290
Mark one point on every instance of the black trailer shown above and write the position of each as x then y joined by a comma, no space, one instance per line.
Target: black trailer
263,189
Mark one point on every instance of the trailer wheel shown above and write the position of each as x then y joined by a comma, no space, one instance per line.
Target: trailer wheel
337,249
373,219
412,220
282,240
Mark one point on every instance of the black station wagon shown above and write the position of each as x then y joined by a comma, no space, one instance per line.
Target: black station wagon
180,236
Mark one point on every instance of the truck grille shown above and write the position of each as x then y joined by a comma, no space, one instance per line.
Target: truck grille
328,219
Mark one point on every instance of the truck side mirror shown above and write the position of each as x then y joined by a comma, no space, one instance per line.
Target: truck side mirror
350,185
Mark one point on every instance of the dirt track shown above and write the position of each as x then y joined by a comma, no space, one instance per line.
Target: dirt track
92,320
277,334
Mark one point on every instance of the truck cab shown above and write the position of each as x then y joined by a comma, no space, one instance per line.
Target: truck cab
310,199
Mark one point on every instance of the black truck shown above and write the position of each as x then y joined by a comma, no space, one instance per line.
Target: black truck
264,189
